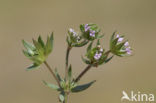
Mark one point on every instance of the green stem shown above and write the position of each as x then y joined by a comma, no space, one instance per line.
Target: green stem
67,60
53,74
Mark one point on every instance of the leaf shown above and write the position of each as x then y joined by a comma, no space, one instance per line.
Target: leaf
98,42
57,75
119,46
90,46
112,39
28,46
83,87
82,27
53,86
85,61
70,73
38,47
41,41
81,44
33,66
107,60
68,41
49,44
62,97
100,36
26,53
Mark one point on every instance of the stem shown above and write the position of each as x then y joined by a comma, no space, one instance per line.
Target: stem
66,98
83,72
53,74
67,59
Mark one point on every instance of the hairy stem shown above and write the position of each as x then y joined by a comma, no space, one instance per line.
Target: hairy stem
53,74
83,72
67,60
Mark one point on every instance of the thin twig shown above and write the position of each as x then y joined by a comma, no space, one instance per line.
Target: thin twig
83,72
53,74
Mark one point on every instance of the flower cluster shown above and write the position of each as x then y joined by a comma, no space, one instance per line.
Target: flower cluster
74,36
97,55
118,46
90,31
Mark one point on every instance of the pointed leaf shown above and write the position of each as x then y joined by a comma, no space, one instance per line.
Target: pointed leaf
70,73
81,44
49,44
83,87
41,41
98,42
26,53
62,97
90,46
28,45
57,75
33,66
107,60
100,36
85,61
53,86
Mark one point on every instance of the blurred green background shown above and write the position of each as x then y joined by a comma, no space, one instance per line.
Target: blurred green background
26,19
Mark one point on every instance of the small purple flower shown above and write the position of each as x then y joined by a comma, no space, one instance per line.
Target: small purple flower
120,39
86,27
92,33
101,50
117,36
126,44
97,56
128,50
72,31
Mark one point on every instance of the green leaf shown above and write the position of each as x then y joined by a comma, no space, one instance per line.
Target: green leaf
81,44
49,44
53,86
33,66
26,53
112,39
41,41
119,46
89,47
38,47
70,73
107,60
100,36
68,41
85,61
62,97
82,27
83,87
98,42
28,45
57,75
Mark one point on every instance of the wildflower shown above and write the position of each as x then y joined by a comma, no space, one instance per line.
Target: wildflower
72,32
119,47
97,56
90,32
86,27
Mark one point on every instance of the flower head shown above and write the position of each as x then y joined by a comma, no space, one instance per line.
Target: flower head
90,31
119,47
